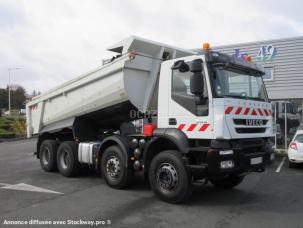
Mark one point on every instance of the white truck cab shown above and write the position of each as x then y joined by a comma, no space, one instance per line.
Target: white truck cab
206,116
232,103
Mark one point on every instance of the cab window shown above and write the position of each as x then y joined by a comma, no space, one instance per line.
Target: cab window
181,94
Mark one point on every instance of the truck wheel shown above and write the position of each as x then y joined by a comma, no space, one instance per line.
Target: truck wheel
168,177
227,182
48,155
67,159
113,168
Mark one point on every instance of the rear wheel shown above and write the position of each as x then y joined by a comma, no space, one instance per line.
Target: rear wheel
67,159
114,169
47,155
227,182
168,177
291,164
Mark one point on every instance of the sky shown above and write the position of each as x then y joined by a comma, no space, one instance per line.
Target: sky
53,41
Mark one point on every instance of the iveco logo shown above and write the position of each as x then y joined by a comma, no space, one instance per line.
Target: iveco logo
254,122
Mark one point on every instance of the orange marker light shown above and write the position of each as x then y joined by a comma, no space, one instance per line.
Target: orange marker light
247,58
132,55
206,46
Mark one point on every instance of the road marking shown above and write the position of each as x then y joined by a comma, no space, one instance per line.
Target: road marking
281,164
26,187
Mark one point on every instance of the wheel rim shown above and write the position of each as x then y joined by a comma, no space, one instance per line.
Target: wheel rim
113,167
65,159
167,176
45,155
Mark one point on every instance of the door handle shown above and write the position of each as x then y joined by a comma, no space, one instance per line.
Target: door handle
172,121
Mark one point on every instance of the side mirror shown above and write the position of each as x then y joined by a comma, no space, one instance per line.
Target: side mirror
197,84
196,79
196,66
181,66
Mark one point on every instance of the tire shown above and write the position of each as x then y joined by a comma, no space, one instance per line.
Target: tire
291,164
168,177
113,168
67,159
227,182
48,155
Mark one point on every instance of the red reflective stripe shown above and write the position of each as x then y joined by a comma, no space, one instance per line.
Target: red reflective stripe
228,110
270,112
246,111
238,110
34,107
191,127
265,111
260,111
254,113
181,126
203,127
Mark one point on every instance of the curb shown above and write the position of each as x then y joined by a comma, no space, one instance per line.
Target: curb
13,140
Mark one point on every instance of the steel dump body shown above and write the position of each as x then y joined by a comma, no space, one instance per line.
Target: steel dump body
106,94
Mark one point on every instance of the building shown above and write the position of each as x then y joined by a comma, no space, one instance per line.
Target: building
282,60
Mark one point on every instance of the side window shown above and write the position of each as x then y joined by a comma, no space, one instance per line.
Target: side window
299,138
180,83
181,94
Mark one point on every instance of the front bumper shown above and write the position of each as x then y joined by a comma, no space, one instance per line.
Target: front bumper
243,163
248,155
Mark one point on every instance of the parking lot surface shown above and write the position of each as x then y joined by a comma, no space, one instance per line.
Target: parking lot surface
270,199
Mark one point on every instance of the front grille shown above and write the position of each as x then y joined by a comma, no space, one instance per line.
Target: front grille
250,122
247,143
250,130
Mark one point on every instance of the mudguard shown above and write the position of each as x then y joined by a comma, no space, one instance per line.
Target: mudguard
165,139
119,140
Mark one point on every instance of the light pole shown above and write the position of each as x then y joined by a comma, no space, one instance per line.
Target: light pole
9,88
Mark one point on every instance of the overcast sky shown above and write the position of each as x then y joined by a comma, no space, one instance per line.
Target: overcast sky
56,40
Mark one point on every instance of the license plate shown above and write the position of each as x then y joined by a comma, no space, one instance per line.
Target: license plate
255,161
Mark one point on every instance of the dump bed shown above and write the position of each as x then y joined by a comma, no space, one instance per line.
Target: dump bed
107,94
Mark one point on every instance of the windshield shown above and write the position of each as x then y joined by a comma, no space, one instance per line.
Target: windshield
233,83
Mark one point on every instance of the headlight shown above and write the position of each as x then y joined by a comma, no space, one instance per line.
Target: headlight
228,164
226,152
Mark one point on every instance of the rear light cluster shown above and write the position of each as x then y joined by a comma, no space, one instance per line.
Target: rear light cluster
293,146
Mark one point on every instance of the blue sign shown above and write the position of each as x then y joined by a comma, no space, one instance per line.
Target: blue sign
266,53
239,55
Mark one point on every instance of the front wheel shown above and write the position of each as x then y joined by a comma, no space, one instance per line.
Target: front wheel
227,182
168,177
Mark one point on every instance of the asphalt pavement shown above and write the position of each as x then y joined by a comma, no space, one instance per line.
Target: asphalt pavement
28,194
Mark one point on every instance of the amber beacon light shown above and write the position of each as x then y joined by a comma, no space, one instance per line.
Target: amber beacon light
206,46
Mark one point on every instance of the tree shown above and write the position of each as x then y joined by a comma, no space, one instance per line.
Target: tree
3,99
17,98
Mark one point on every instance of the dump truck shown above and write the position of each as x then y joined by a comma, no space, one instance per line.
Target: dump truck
205,118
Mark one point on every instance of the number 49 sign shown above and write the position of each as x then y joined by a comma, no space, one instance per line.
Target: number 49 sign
267,53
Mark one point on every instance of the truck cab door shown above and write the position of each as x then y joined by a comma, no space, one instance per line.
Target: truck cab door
188,112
